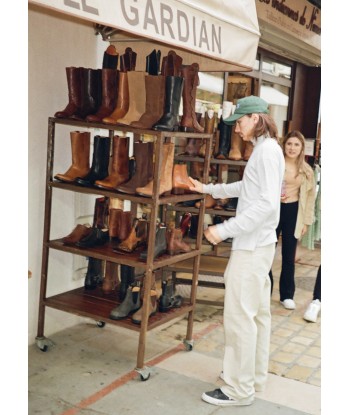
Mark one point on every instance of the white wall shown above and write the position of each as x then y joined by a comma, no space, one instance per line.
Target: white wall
55,41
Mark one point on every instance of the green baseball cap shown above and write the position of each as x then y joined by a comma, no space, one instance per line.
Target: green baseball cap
247,105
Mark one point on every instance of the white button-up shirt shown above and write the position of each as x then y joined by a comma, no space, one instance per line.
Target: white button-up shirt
259,198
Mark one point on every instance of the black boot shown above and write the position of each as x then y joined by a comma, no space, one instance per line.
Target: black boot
224,140
91,93
100,162
110,58
173,93
130,304
192,232
231,204
168,300
94,275
96,237
153,62
127,278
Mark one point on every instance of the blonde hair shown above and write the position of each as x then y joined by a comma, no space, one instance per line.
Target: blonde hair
300,161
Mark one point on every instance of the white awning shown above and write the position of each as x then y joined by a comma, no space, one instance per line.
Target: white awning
273,96
223,34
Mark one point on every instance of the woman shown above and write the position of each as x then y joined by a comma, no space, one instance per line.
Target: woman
297,210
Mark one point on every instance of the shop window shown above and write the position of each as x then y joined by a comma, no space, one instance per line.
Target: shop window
271,67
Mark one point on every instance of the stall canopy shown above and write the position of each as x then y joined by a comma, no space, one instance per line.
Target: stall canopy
220,35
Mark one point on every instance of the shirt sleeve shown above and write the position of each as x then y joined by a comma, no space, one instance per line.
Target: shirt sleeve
223,190
253,216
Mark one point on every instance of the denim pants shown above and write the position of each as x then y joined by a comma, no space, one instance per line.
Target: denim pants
247,322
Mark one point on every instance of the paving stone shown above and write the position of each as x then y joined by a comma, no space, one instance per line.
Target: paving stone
297,372
283,357
314,351
309,361
293,348
277,368
303,340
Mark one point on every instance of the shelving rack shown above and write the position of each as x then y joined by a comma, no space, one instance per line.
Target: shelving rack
94,304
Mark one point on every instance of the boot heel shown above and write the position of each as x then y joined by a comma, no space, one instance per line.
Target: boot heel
178,191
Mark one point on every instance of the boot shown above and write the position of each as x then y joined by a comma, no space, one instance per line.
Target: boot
110,58
171,64
248,149
209,123
74,76
91,90
100,162
125,225
109,95
78,233
180,181
97,237
137,237
209,202
152,301
110,280
173,92
155,96
236,147
127,278
130,304
192,147
119,171
143,153
115,218
231,204
166,171
168,299
128,60
100,219
80,147
122,104
94,275
197,169
160,245
175,244
192,232
153,62
137,97
224,140
185,223
189,121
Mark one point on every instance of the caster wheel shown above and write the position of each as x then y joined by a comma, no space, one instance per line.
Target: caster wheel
188,345
100,324
43,343
144,373
44,348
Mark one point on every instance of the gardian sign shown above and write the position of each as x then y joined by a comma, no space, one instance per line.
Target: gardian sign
226,30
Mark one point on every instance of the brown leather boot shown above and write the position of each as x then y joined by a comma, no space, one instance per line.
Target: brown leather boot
101,213
137,97
209,202
109,95
155,96
111,278
137,236
122,104
74,81
189,121
181,182
197,169
120,164
80,145
209,123
125,225
192,147
166,171
248,149
128,60
114,223
143,153
79,232
236,147
175,243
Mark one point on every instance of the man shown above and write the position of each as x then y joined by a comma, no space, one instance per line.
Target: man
247,317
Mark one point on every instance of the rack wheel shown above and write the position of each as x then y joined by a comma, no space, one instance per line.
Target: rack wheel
144,373
188,345
100,324
43,343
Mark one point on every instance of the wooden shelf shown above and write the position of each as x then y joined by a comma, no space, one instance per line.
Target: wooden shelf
98,306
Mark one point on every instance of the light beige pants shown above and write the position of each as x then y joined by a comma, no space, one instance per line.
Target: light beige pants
247,321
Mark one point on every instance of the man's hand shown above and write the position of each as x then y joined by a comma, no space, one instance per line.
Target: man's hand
212,235
197,186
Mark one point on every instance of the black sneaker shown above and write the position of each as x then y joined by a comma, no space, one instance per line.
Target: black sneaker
217,397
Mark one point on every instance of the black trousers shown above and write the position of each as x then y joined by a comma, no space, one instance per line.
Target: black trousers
286,226
317,288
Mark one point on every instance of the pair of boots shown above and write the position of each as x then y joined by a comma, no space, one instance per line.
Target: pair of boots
132,303
80,171
113,281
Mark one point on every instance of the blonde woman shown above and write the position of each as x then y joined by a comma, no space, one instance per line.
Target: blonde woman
297,210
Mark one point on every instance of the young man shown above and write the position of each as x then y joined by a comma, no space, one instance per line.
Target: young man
247,317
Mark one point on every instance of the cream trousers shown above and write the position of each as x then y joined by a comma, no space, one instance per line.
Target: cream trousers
247,321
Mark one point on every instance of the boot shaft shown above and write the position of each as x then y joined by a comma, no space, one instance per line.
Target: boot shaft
128,60
110,58
153,62
91,93
100,158
100,213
